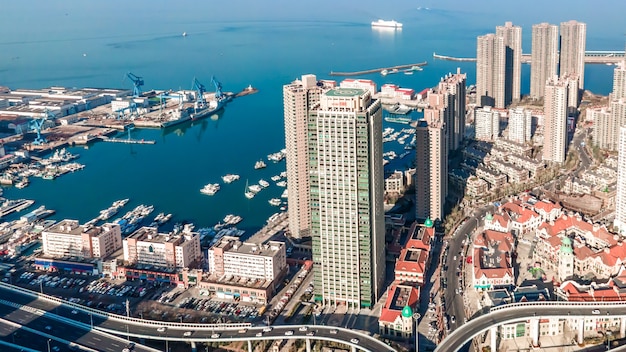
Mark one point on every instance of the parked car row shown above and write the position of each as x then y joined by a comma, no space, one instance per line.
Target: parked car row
50,280
234,310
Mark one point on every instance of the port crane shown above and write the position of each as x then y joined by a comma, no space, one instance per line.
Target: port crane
200,89
137,83
168,95
132,107
37,123
218,89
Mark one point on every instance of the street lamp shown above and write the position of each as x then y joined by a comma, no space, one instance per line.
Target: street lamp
416,316
49,344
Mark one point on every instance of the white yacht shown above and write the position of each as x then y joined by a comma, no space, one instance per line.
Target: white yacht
255,188
387,24
264,183
281,183
259,165
230,178
249,194
275,202
231,219
210,189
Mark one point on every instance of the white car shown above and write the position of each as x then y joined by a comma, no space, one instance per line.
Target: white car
310,333
162,329
595,311
289,333
215,336
333,332
74,311
303,328
354,340
267,329
452,319
259,334
187,333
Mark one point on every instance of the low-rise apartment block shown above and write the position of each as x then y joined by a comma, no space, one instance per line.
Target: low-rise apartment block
147,246
69,239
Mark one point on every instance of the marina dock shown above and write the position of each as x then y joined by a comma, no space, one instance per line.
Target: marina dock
378,70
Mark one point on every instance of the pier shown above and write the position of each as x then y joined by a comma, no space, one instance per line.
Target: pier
127,141
378,70
591,57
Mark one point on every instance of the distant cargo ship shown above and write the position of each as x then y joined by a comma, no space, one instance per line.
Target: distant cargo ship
387,24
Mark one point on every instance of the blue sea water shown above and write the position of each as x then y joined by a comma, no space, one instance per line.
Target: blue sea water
241,42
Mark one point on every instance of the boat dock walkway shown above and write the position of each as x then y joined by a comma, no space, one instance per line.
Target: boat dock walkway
126,140
378,70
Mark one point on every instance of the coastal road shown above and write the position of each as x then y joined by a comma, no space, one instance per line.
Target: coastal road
522,312
56,331
172,331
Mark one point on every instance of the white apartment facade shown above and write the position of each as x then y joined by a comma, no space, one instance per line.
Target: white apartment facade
69,239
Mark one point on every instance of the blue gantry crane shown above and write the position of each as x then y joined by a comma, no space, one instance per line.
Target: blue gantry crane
169,95
200,89
137,83
219,95
132,107
37,123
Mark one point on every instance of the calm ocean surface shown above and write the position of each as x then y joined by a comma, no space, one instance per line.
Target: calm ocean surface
241,43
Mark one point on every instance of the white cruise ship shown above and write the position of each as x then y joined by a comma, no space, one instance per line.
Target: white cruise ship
387,24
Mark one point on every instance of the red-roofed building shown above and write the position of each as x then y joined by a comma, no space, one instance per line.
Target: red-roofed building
366,84
498,222
396,316
388,90
547,210
414,259
423,94
596,251
405,93
523,219
492,260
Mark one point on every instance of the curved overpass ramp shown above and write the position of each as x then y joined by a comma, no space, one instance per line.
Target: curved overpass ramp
149,329
521,311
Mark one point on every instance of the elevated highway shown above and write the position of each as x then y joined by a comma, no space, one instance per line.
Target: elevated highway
187,332
534,311
591,57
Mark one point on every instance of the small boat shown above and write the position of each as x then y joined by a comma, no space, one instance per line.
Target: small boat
259,165
384,72
408,72
249,194
210,189
255,188
230,178
184,34
275,202
276,178
264,183
281,183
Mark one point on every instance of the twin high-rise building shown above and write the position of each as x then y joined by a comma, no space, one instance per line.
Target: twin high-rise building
620,196
572,54
441,130
608,119
490,71
512,36
337,133
498,66
544,57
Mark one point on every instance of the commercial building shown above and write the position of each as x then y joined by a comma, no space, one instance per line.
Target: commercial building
147,246
486,123
520,125
512,36
298,98
69,239
544,57
431,153
555,120
346,187
396,316
492,260
490,71
572,55
231,257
